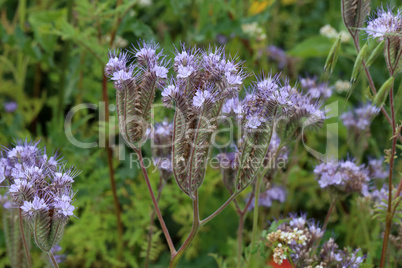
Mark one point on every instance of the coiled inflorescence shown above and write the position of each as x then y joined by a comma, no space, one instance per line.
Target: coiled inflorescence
136,83
41,187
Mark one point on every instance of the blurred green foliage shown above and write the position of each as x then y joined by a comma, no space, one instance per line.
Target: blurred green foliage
52,55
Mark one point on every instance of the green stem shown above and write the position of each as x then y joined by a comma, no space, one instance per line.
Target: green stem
24,241
255,211
219,210
54,262
194,230
389,216
240,240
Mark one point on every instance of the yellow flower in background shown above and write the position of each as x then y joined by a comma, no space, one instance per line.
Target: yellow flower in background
259,6
288,2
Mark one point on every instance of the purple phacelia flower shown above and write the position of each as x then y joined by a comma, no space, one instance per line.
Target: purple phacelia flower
160,71
64,208
376,169
360,118
169,91
232,106
316,90
117,62
265,199
278,55
202,97
385,23
343,175
233,79
37,204
19,185
184,71
121,76
254,121
10,106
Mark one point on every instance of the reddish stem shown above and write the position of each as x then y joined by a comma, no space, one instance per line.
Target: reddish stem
155,203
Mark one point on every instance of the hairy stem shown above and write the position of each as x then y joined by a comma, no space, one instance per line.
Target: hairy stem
240,240
255,212
155,203
399,189
151,224
388,222
330,209
24,241
54,262
194,230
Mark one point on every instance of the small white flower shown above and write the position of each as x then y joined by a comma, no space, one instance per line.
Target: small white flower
328,31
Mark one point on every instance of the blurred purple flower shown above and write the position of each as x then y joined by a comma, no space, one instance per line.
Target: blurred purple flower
10,106
278,55
266,198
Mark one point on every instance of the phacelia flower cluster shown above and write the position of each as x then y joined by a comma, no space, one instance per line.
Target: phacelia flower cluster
360,118
384,23
316,90
296,238
271,99
137,74
265,199
41,186
344,176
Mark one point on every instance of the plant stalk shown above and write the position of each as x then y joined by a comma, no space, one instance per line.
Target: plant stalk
390,186
151,224
54,262
194,230
24,241
155,203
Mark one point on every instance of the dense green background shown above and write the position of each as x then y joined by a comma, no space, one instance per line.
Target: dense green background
52,55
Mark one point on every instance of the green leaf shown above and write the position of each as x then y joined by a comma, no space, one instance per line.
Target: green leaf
316,46
332,59
382,94
374,54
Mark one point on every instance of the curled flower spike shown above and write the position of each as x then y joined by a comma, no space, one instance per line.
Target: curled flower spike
136,83
41,187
